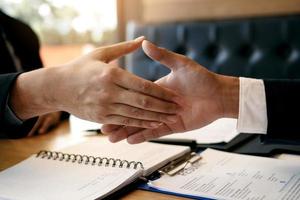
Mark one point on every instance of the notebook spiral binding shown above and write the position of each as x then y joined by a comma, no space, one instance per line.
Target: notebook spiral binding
85,159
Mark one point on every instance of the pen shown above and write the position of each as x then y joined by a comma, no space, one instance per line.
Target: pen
97,131
183,142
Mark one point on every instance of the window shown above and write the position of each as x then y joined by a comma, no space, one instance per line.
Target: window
66,28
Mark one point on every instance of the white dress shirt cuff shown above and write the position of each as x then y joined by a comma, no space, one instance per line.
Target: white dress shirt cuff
252,107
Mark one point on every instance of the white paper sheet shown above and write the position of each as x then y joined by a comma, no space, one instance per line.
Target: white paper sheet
79,126
221,175
221,130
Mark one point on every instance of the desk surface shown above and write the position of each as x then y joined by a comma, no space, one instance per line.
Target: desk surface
14,151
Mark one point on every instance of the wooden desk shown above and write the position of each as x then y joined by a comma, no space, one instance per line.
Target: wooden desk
14,151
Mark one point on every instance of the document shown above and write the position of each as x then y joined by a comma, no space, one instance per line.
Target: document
221,130
222,175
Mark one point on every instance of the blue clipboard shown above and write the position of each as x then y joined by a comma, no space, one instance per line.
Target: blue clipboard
147,187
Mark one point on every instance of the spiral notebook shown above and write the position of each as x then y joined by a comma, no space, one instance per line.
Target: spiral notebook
90,170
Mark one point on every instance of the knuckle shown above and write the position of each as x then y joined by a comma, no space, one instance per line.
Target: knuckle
110,74
107,77
160,117
138,123
145,103
145,86
113,70
104,97
126,121
136,112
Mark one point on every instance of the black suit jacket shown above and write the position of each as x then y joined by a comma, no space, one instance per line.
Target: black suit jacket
25,45
9,126
283,110
26,48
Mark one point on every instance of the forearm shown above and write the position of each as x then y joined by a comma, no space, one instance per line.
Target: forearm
30,98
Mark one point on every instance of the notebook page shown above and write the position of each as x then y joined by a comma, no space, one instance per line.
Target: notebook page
222,175
221,130
44,179
152,155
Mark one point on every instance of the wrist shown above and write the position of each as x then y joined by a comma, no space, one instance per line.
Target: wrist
229,96
32,95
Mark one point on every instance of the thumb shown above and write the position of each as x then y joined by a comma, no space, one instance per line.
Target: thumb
112,52
168,58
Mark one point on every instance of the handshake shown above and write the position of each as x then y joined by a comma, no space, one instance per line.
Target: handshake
91,88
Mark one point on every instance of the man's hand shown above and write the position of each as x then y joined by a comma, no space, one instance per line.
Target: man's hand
207,97
45,123
92,89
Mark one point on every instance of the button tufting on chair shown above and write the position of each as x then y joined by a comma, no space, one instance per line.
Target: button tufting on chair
265,47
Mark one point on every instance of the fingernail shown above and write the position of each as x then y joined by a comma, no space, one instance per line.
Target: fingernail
114,138
172,118
139,39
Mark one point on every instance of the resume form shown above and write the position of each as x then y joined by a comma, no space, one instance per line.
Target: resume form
222,175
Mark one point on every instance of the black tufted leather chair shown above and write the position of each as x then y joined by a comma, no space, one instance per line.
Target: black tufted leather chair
266,47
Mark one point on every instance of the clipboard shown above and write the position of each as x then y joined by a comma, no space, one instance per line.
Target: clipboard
146,187
171,169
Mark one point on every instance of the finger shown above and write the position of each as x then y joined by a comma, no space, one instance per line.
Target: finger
135,83
168,58
107,129
45,125
112,52
145,102
137,113
123,133
147,134
110,129
121,120
35,127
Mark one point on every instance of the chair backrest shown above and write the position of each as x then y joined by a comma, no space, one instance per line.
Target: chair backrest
265,47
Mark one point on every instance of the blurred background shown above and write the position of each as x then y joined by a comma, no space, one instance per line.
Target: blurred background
66,28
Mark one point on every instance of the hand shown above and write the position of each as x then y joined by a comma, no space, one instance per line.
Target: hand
45,123
92,89
207,97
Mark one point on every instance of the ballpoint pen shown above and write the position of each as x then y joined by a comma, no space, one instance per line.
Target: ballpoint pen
184,142
93,131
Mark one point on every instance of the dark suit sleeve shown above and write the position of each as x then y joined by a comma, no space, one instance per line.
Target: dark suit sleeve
10,125
283,110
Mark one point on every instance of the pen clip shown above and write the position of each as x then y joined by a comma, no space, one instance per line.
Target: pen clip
179,164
